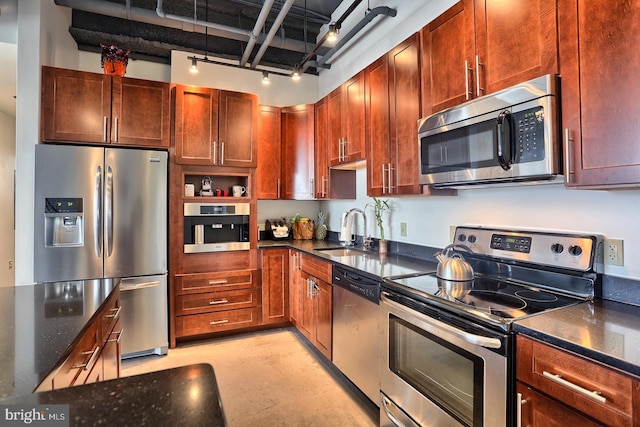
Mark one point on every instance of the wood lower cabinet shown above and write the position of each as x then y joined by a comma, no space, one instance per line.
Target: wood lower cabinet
96,354
217,301
599,65
392,111
275,285
575,388
295,288
214,127
314,298
87,107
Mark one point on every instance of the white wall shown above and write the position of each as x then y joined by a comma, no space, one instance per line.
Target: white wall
7,167
90,62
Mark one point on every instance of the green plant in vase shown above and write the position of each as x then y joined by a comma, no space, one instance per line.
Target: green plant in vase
379,206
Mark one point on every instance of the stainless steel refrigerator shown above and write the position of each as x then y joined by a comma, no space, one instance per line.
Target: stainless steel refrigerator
102,213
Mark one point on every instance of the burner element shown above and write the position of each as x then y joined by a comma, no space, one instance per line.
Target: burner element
537,296
494,302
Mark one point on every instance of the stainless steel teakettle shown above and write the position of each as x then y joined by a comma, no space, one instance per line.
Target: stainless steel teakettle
453,267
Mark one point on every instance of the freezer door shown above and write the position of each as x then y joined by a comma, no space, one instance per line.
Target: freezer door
68,195
135,212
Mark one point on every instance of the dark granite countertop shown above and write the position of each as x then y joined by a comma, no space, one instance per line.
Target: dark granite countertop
40,324
605,331
184,396
371,262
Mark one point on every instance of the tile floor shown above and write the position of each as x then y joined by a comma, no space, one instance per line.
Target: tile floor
271,378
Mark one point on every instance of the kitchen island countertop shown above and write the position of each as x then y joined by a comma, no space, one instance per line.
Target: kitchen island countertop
185,396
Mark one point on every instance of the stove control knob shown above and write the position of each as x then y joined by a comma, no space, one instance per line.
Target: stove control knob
575,250
462,237
557,248
472,239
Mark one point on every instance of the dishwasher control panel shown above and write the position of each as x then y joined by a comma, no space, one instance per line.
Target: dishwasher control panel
364,286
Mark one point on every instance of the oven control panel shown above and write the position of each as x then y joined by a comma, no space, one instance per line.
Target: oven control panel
564,250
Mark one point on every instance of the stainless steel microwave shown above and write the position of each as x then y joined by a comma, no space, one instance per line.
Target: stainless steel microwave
510,136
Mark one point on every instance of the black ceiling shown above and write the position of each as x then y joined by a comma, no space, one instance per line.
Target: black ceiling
155,41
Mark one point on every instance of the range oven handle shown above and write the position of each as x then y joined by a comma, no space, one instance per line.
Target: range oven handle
395,414
468,337
505,139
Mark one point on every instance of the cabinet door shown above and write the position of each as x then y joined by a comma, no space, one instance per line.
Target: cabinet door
275,285
335,118
516,41
353,125
306,322
323,332
540,411
295,287
111,353
321,166
297,152
140,112
600,91
196,125
238,129
448,48
269,153
76,106
404,112
377,127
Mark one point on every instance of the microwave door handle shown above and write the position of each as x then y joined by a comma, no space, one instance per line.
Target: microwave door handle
504,139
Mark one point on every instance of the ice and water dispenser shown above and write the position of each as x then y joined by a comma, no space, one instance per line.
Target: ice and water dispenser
63,222
216,227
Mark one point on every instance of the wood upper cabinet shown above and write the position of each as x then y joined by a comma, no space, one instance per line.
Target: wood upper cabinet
346,109
275,285
482,46
321,166
392,111
576,388
600,92
269,153
298,152
214,127
95,108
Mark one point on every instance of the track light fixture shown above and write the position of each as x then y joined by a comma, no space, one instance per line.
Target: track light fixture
332,34
265,78
296,74
194,64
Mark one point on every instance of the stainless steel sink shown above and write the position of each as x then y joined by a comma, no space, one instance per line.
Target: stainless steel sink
343,251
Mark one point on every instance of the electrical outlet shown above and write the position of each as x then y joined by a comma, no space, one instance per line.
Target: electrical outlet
403,229
614,252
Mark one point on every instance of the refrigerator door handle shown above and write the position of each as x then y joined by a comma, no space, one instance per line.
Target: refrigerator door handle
134,286
97,212
108,211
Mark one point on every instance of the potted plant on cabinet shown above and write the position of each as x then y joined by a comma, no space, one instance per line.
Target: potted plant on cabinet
379,206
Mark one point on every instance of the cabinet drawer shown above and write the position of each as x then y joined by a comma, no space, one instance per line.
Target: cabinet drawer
218,281
218,321
573,381
110,315
80,363
316,267
216,301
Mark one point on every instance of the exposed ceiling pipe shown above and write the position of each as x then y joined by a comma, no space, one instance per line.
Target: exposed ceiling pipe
295,11
380,10
272,32
148,16
262,18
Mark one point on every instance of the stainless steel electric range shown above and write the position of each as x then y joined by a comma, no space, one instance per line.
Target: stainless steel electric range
447,356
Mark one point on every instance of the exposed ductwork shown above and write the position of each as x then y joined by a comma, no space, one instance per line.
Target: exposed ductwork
272,32
262,18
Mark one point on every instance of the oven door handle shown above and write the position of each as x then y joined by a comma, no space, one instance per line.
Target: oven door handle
470,338
395,414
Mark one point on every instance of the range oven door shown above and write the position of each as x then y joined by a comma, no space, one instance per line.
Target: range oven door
434,373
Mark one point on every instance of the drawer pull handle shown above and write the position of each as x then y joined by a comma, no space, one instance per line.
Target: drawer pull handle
116,340
218,282
94,354
218,322
595,395
114,315
220,301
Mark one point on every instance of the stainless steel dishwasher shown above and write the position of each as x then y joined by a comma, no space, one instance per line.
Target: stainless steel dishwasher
356,300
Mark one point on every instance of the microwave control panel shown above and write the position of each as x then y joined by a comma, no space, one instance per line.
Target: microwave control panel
529,135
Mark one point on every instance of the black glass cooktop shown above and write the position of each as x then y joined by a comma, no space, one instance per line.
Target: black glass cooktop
486,295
